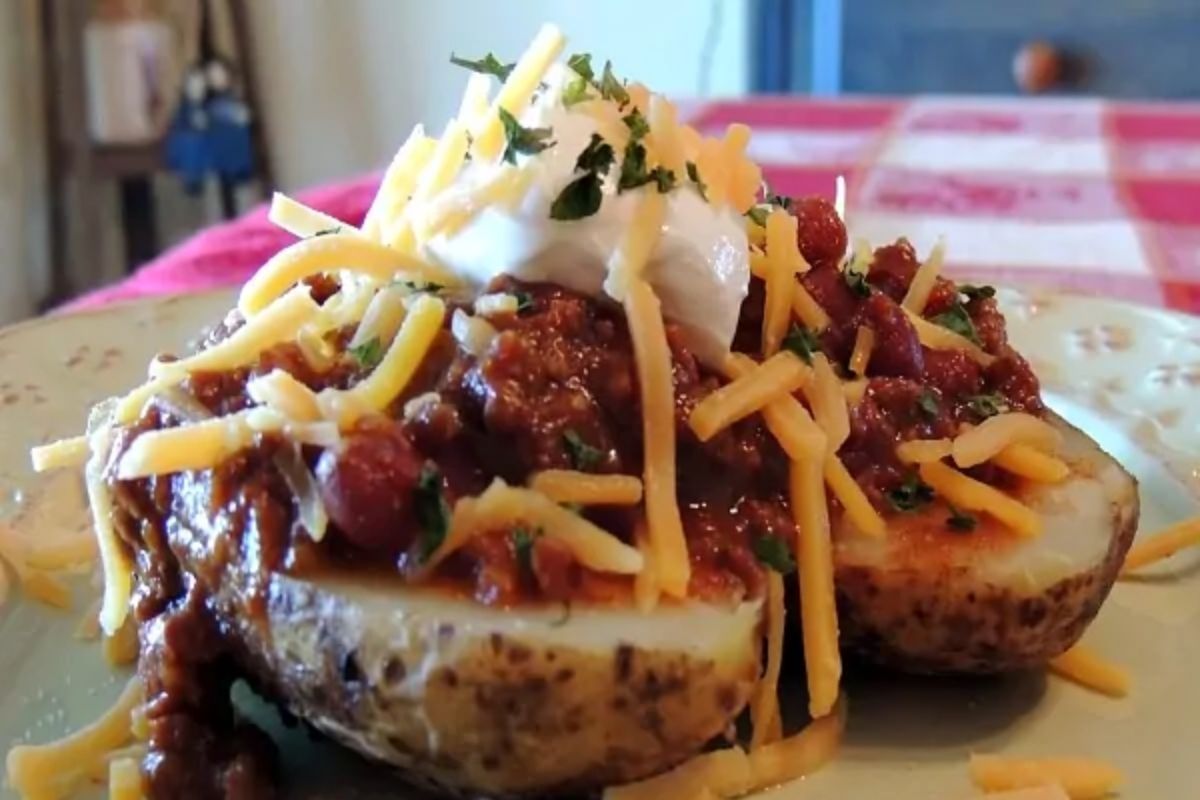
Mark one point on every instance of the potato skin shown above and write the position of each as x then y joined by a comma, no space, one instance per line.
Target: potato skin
946,618
461,710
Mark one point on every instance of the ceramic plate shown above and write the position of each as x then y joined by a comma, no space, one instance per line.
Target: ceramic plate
1129,376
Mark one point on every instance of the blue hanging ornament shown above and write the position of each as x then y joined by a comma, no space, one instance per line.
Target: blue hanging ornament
210,134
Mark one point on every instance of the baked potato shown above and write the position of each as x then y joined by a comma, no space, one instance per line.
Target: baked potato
925,599
467,699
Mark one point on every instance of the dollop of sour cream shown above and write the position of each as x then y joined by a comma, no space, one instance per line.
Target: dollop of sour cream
699,268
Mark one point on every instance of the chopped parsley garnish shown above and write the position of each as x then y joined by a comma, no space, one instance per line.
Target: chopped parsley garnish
857,282
575,92
488,65
977,292
582,455
693,173
758,215
581,63
580,198
771,551
988,405
960,521
958,320
610,87
369,353
428,287
598,156
663,178
634,172
910,495
803,342
522,542
928,403
524,302
519,139
327,231
432,510
638,127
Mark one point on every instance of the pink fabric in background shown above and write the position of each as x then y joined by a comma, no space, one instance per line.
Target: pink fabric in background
1080,195
228,254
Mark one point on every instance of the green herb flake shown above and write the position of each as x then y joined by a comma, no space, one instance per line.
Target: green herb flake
579,199
522,140
638,127
977,292
803,342
960,521
432,510
910,495
582,455
634,172
369,353
422,287
597,157
523,540
857,282
758,215
488,65
958,320
575,92
988,405
524,302
663,178
581,63
610,87
928,403
693,173
327,232
772,552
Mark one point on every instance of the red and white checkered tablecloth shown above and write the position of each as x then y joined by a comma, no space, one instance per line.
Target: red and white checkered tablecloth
1084,195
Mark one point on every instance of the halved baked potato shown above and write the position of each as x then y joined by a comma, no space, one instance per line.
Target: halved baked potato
925,599
466,698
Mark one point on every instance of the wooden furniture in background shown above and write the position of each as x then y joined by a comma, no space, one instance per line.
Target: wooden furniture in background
74,160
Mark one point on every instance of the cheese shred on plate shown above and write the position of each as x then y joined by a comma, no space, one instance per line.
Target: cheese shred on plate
1081,778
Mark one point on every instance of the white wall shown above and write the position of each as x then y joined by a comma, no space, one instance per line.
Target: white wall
344,82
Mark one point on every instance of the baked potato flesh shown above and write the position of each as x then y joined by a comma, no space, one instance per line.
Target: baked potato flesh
929,599
466,698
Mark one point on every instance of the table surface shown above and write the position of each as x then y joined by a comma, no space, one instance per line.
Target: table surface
1085,196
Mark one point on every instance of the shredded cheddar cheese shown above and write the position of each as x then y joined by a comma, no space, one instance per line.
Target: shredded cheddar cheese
302,221
1081,778
645,583
854,501
1029,462
803,754
789,422
325,254
585,488
124,779
726,773
968,493
514,95
855,390
1085,666
784,261
282,392
778,376
399,182
633,252
864,343
502,506
57,769
818,608
653,361
828,403
1162,545
809,311
924,280
923,451
984,441
936,337
764,706
70,452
